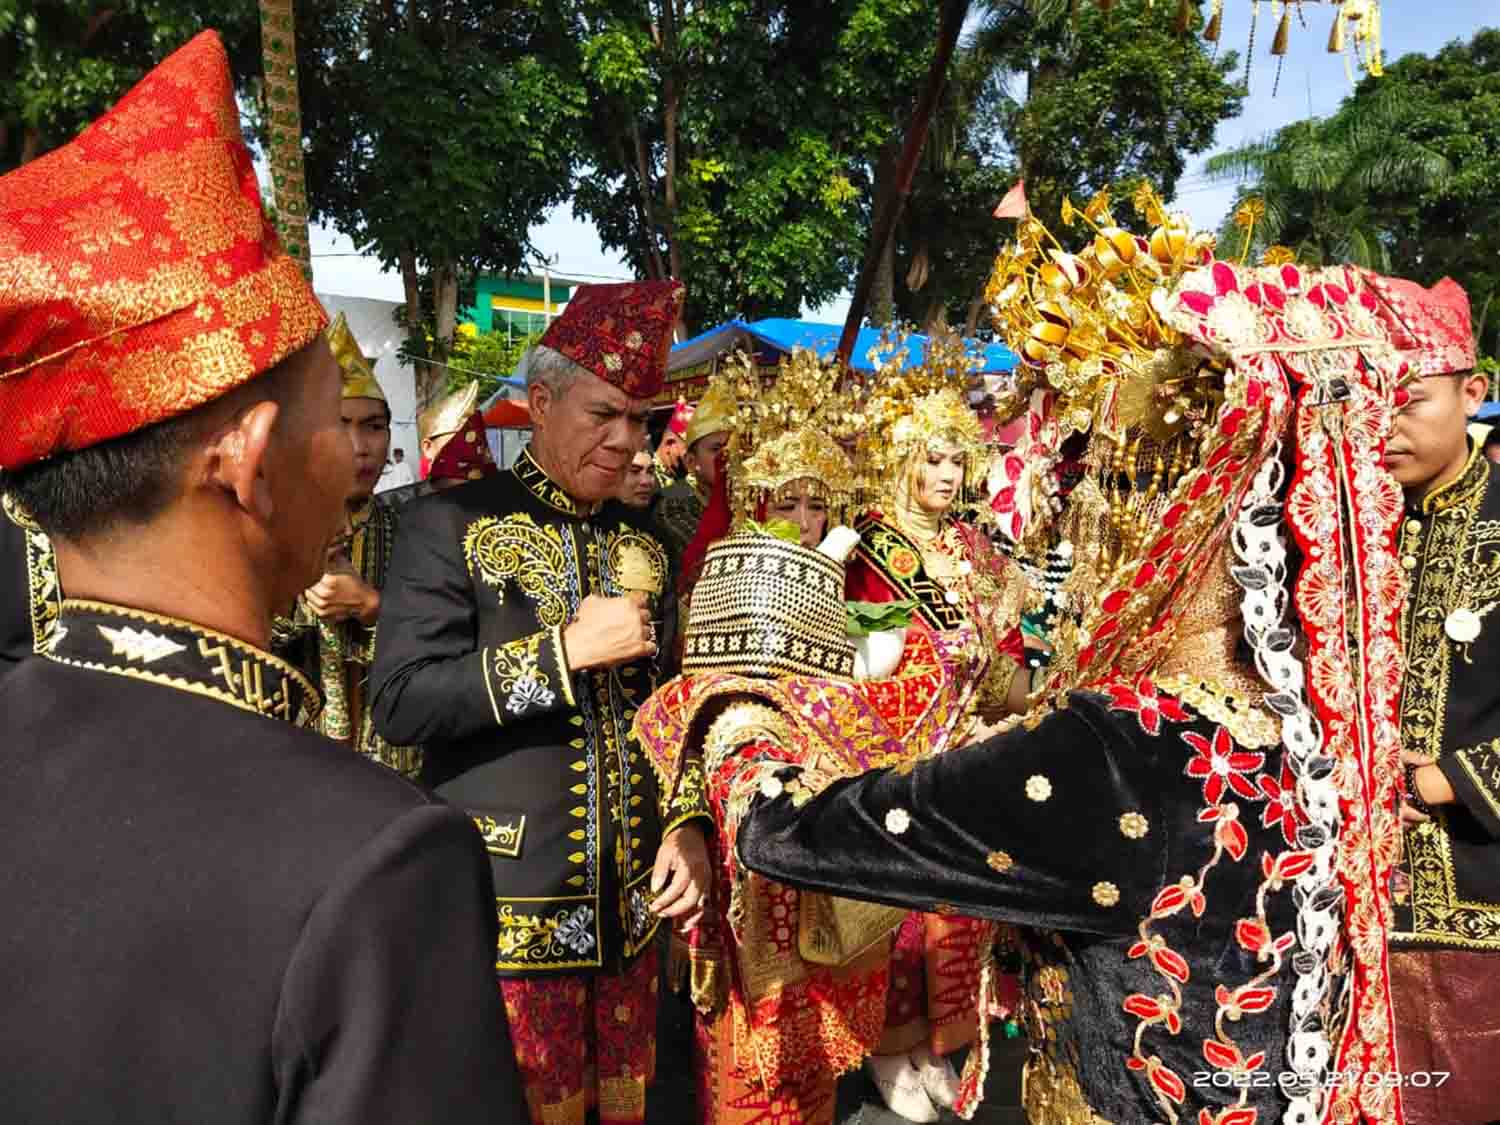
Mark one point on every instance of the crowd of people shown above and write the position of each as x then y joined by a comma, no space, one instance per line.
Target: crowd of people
1170,732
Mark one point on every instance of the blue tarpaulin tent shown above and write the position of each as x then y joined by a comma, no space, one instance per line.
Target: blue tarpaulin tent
693,360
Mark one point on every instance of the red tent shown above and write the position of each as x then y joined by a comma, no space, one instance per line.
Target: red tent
508,414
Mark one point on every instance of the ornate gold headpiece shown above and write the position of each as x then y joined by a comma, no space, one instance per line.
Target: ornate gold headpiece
358,374
790,432
913,407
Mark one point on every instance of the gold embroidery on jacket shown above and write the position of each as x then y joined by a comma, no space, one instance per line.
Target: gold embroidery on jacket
44,588
1454,574
513,547
502,837
546,933
515,669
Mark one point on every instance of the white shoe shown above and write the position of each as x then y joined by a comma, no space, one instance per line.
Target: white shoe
901,1087
939,1079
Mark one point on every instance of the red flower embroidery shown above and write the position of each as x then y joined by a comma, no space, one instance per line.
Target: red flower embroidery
1145,704
1218,763
1281,803
1236,1115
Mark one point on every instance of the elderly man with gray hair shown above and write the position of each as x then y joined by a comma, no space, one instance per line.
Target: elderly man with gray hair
521,629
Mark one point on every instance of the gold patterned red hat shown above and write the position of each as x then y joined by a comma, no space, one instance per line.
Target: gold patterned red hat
1429,327
466,455
621,333
139,278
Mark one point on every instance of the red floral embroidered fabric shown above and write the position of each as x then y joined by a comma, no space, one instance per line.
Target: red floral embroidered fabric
621,333
139,277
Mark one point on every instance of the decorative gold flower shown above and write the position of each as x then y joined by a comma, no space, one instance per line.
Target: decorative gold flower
1106,894
1069,215
999,861
904,563
897,821
1038,788
1250,212
1097,210
1278,255
1133,825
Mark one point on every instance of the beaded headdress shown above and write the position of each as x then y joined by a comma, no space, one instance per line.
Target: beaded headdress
788,434
911,408
1183,376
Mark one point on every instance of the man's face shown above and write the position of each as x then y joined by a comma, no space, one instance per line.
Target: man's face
670,452
309,470
400,456
368,421
590,433
639,484
1429,441
703,457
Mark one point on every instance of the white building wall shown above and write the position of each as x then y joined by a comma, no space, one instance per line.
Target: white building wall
373,324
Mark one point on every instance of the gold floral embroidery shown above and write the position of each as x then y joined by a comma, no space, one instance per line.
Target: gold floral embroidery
514,672
999,861
502,837
1134,826
1038,788
1106,894
510,547
555,934
45,590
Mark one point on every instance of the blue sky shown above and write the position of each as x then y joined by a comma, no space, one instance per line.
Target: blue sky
1312,82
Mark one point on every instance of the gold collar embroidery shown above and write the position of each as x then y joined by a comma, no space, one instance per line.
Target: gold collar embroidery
545,489
181,655
1475,472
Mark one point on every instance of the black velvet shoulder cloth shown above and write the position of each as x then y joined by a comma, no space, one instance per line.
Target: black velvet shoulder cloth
1448,888
676,516
1082,826
29,590
471,664
889,550
213,915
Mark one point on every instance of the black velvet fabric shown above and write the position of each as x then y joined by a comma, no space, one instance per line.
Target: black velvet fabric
213,916
1026,828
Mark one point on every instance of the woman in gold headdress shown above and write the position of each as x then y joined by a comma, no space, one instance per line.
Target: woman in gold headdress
924,446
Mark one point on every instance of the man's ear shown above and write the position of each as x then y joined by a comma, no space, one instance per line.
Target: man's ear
238,459
538,400
1474,388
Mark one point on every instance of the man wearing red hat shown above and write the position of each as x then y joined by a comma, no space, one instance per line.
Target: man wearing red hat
1446,941
673,445
209,915
519,635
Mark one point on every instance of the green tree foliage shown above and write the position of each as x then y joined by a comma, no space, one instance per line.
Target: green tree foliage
1402,178
733,143
64,62
1073,102
487,357
437,134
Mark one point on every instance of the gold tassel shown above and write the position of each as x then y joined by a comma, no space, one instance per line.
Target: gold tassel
1184,16
1283,32
1215,23
1336,35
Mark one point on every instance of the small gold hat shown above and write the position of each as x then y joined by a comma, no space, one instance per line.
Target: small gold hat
715,411
359,375
447,415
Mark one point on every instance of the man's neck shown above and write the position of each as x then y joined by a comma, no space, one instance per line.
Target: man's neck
174,568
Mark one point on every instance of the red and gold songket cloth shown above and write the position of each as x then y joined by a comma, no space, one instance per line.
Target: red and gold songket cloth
138,276
790,987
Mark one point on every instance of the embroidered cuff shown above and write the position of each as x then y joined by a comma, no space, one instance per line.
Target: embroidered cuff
689,799
1474,774
522,676
564,673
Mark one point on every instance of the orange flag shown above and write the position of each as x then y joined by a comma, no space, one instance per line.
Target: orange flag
1014,206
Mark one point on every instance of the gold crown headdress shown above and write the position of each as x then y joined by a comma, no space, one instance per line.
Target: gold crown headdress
790,432
910,408
358,373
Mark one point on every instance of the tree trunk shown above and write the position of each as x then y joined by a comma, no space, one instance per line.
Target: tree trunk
976,308
427,377
643,176
883,291
31,144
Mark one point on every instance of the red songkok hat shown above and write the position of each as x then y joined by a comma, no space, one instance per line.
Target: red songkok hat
465,455
621,333
139,278
681,416
1429,327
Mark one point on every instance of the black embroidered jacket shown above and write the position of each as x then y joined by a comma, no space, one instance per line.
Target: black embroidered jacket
1156,849
29,589
1447,890
470,662
212,915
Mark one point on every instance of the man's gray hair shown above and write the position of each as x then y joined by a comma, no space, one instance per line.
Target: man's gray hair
548,367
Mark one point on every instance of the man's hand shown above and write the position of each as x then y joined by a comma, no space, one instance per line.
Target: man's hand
1432,787
341,595
607,632
681,877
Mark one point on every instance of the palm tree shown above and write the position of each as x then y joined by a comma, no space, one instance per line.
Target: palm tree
284,127
1318,177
